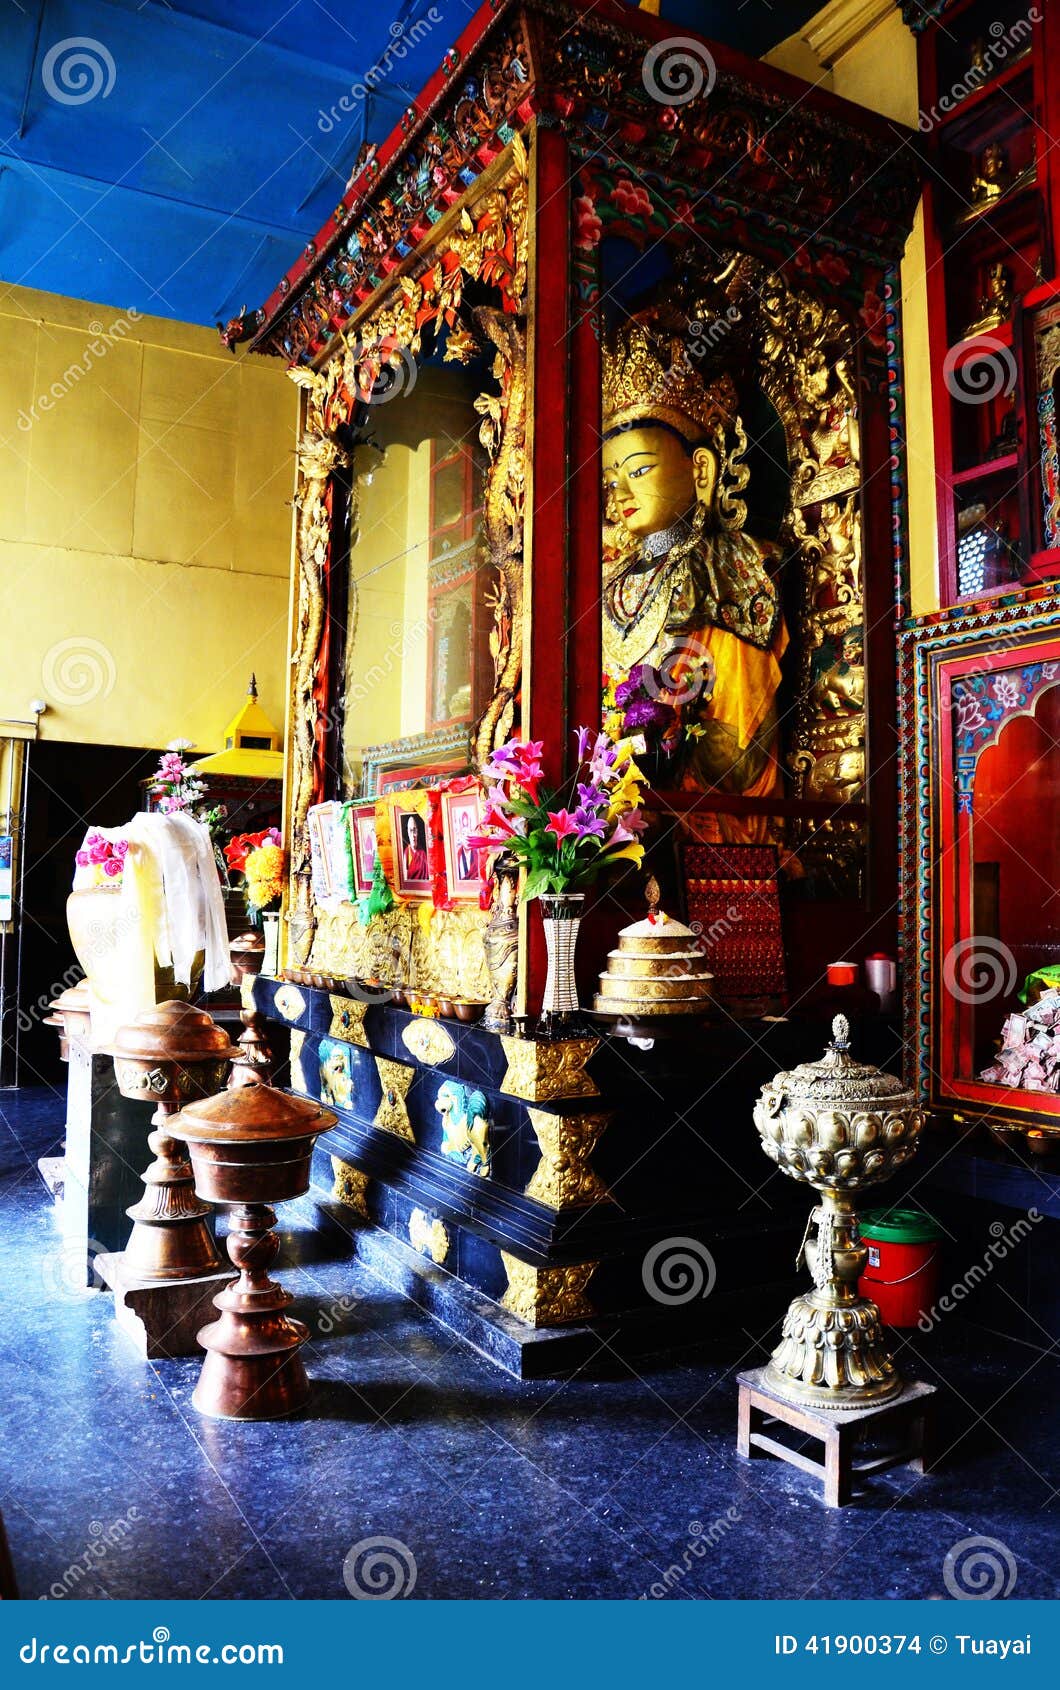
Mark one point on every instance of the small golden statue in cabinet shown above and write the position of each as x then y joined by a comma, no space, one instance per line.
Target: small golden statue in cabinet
992,178
995,303
501,942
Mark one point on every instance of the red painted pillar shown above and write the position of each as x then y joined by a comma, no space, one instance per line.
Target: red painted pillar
547,524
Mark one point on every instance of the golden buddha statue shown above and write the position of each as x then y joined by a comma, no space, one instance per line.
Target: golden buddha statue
686,590
994,306
991,179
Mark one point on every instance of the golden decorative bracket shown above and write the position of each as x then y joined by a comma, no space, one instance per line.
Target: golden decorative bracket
563,1178
541,1070
547,1296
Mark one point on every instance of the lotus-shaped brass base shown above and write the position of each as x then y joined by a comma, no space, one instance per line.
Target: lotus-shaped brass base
832,1352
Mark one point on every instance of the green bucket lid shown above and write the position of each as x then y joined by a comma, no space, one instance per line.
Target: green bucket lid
900,1226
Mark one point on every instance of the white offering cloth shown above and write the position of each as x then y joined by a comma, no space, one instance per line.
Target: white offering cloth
171,896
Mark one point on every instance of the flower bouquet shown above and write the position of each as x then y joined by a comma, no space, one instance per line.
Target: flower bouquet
179,791
563,839
260,859
661,707
179,788
100,861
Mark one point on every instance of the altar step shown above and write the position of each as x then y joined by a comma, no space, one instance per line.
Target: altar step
599,1346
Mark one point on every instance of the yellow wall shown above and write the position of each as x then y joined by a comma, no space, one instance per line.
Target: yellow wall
879,72
145,531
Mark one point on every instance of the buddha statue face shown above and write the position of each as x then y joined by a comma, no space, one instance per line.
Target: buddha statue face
652,478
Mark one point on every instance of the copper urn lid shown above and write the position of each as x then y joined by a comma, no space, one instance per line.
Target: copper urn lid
173,1032
837,1081
250,941
252,1114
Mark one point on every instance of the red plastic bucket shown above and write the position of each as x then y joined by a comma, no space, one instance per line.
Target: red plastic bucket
902,1273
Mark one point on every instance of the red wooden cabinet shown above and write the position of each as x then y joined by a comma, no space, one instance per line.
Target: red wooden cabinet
982,863
989,98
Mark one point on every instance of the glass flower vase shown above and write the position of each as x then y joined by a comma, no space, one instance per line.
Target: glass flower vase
270,924
561,914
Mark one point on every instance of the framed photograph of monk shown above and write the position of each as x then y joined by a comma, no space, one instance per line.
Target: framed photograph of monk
320,854
461,819
365,846
410,835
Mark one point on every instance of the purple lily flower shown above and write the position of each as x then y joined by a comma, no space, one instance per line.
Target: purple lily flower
603,750
584,735
593,797
602,769
589,823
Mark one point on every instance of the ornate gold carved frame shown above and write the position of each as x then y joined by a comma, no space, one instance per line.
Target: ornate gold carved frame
482,239
797,339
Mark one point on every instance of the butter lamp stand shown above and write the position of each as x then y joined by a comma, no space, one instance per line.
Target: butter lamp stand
250,1148
836,1125
171,1266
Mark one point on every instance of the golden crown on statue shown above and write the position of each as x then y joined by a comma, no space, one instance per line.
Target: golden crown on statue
649,375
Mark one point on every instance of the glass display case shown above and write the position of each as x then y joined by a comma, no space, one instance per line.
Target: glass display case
415,645
982,872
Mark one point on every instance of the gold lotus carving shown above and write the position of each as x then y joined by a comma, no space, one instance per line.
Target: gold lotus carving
347,1021
428,1236
428,1042
447,959
350,1187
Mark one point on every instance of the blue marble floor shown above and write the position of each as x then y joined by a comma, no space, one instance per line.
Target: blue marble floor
622,1486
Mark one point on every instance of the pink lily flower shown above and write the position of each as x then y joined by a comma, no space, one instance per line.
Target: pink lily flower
561,823
496,818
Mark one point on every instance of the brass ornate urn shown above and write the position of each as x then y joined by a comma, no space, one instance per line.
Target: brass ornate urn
251,1147
170,1055
838,1125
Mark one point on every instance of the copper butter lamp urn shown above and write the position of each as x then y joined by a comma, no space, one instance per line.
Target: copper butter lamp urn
251,1147
839,1126
173,1054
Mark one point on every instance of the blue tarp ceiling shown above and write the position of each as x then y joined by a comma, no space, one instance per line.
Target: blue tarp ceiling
176,155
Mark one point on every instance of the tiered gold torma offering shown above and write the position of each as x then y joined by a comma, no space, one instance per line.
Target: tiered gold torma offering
658,969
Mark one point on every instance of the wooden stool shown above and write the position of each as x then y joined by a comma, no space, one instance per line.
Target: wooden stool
912,1413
